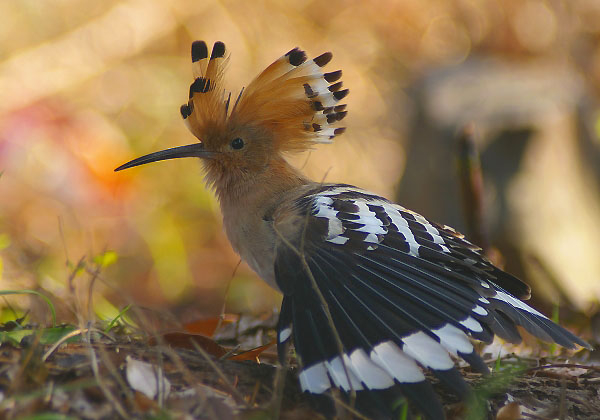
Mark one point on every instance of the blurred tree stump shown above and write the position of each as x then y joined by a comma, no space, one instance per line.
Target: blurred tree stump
539,159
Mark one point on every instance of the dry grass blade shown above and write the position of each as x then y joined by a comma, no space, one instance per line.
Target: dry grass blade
562,406
234,392
315,287
105,390
277,398
205,406
70,335
351,410
472,188
174,357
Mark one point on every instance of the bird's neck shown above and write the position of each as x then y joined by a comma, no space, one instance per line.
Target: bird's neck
258,192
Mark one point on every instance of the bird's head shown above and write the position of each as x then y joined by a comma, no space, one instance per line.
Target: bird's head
289,107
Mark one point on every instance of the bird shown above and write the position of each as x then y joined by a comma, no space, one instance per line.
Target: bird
374,294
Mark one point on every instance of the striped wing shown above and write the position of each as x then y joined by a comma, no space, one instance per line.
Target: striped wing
403,293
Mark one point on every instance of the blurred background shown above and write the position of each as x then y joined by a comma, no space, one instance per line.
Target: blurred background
86,86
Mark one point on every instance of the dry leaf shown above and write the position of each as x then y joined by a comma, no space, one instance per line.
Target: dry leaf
208,326
146,378
511,411
252,354
186,341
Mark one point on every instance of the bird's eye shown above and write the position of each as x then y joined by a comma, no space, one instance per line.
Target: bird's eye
237,143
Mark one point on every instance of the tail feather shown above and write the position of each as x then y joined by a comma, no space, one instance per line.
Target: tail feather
475,361
390,331
367,362
504,327
540,326
424,397
454,382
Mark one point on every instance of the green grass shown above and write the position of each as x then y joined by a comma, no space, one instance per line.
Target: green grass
498,382
35,293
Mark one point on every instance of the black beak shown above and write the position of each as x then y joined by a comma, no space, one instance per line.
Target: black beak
191,150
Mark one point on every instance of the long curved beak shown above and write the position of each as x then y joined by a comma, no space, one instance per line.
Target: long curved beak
191,150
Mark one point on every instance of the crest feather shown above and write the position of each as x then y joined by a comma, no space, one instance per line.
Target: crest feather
293,99
206,97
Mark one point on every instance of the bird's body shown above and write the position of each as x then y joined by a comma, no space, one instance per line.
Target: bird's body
373,293
246,223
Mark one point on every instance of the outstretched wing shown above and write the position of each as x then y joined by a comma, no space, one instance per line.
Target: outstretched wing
403,294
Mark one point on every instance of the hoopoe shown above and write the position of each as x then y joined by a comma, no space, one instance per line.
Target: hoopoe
373,293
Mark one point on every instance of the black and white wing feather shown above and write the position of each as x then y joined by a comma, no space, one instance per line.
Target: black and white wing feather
403,293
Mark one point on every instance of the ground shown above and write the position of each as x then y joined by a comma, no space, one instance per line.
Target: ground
105,372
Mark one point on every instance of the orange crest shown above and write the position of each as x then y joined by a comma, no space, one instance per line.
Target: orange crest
292,98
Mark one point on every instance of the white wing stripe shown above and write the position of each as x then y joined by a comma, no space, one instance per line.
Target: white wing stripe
453,339
340,376
323,209
340,240
402,367
427,351
285,334
314,379
371,374
402,226
480,310
437,238
471,324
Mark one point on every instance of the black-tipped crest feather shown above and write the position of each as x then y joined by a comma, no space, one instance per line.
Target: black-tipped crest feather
199,51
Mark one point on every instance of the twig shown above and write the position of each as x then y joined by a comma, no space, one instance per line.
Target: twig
277,396
336,336
159,374
350,408
255,392
63,241
471,182
315,287
90,301
562,406
209,410
109,396
222,316
234,392
563,365
115,374
230,352
73,333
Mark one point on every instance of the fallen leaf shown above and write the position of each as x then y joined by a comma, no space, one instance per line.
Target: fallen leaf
147,378
511,411
208,326
143,403
252,354
184,340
